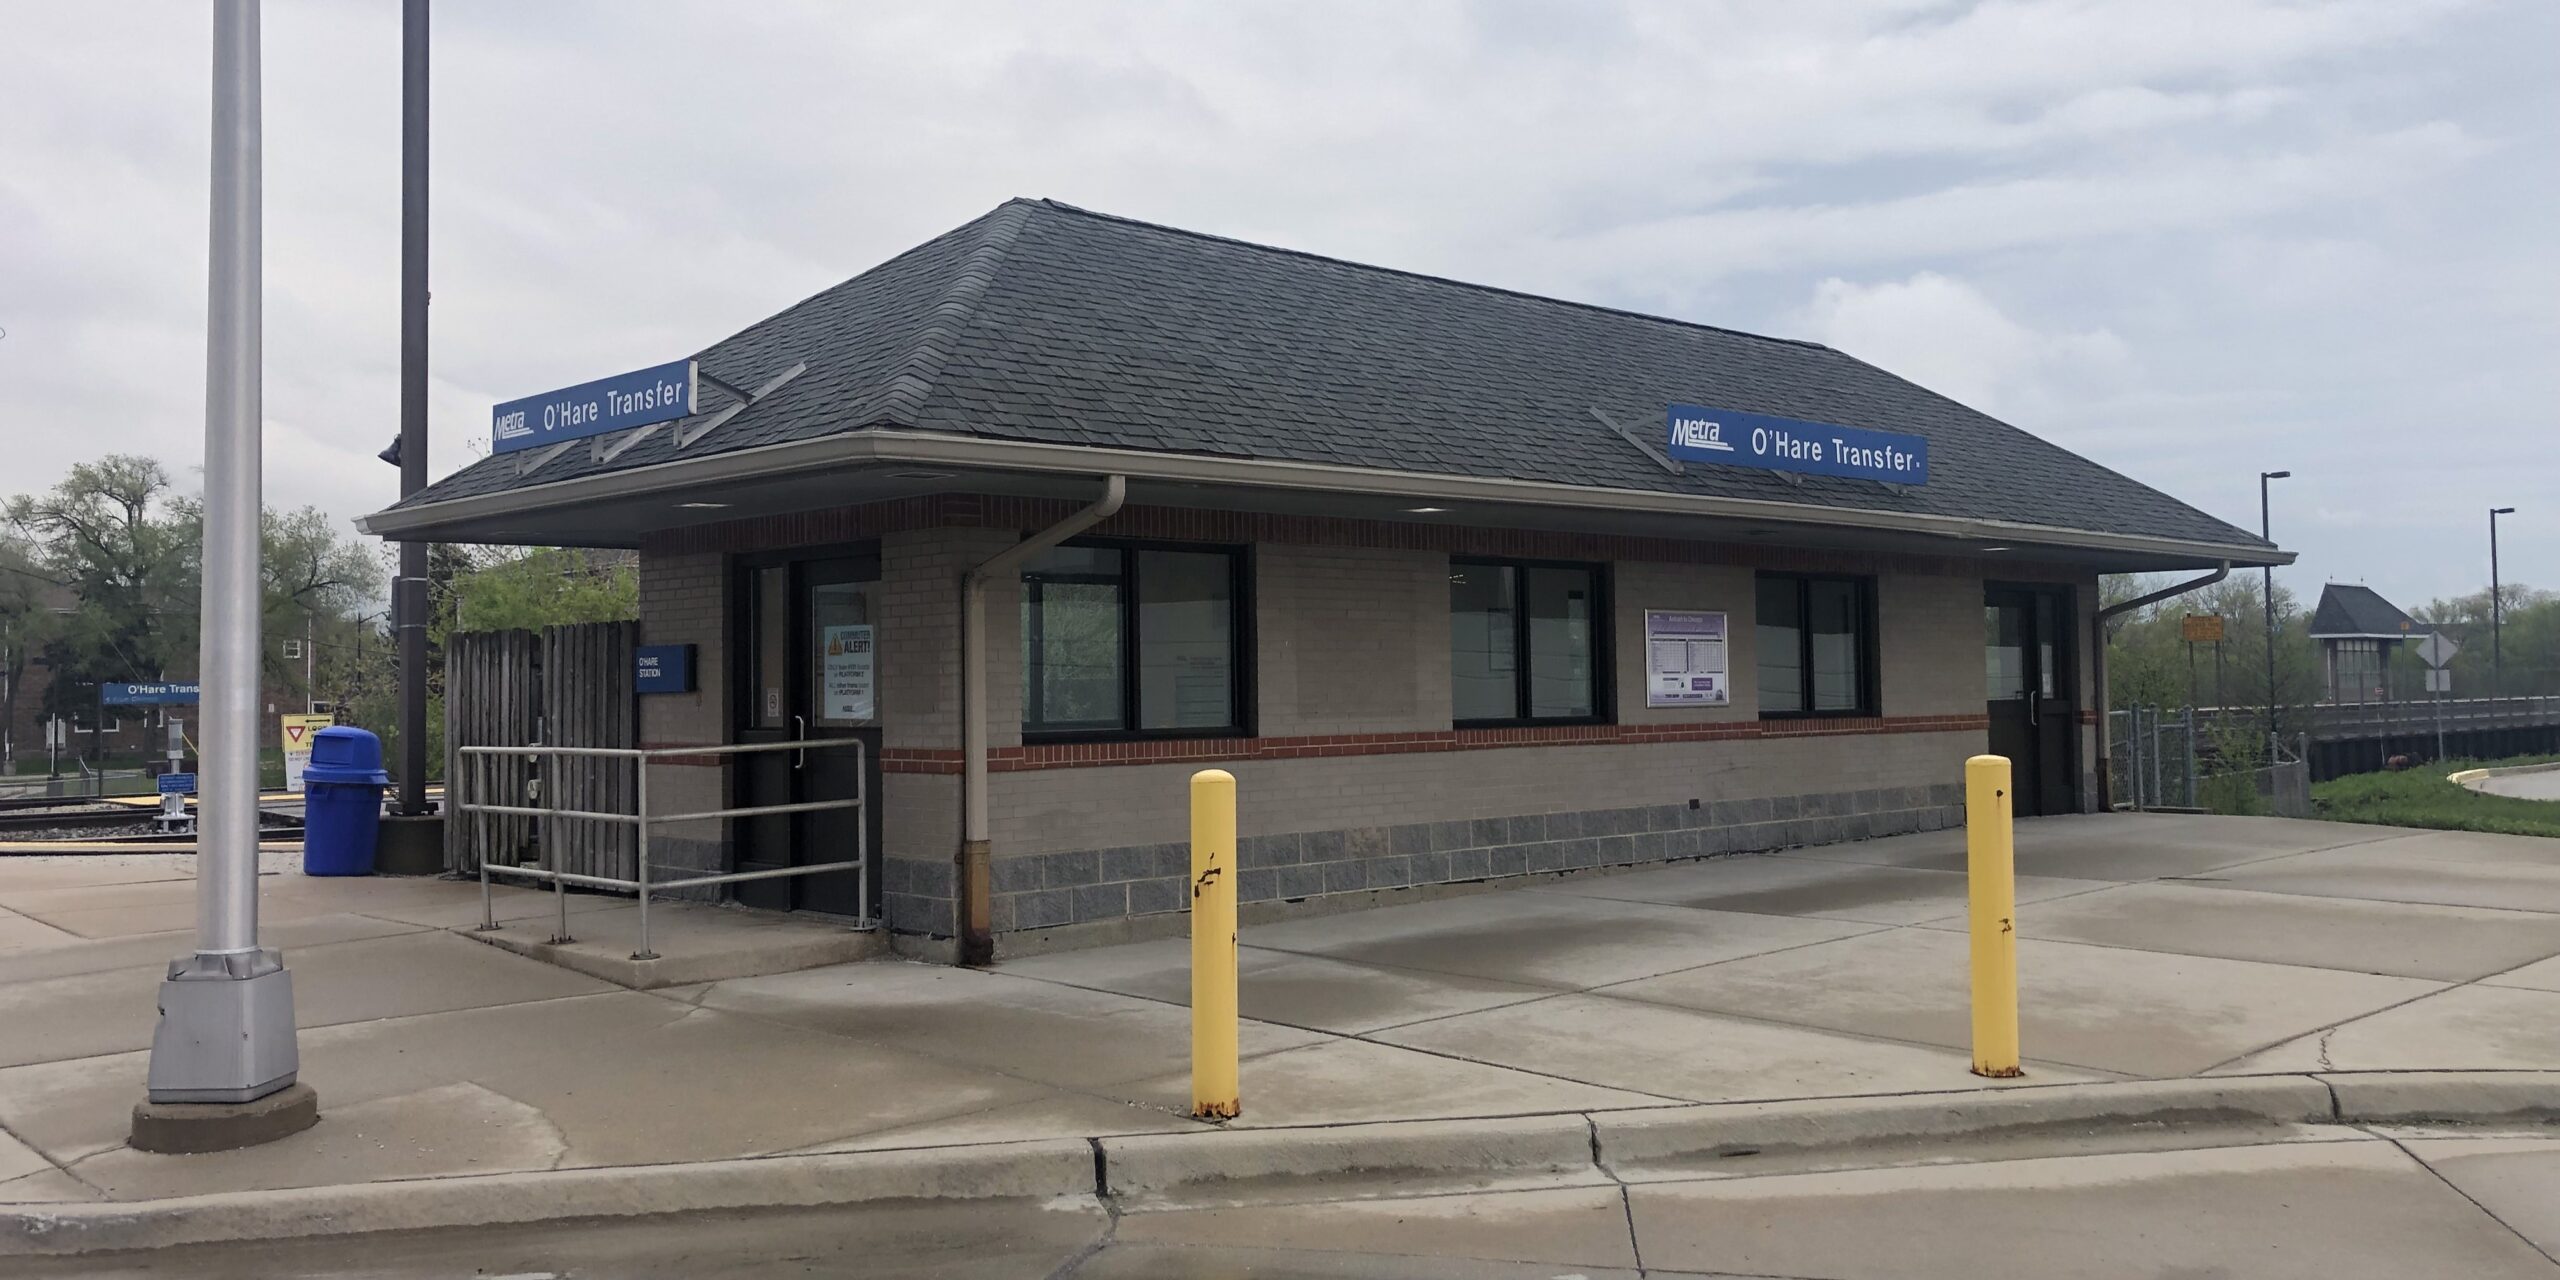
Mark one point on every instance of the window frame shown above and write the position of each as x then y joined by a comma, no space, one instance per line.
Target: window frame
1870,700
1240,684
1604,663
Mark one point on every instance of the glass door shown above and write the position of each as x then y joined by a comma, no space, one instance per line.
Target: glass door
812,673
2031,699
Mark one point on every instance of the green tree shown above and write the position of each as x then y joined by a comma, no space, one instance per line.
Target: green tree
2528,640
503,588
106,534
30,621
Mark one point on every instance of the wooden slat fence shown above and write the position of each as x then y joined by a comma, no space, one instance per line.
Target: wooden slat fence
565,686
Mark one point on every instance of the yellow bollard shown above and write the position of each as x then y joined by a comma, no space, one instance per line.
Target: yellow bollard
1991,885
1213,945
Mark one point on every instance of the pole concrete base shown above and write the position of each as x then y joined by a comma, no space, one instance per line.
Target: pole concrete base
226,1029
190,1128
411,844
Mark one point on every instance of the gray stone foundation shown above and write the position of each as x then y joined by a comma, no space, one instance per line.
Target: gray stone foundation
1041,891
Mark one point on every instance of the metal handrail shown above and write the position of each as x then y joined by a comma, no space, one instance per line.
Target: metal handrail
641,820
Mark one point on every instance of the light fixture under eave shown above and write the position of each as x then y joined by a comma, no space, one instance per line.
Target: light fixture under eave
920,475
1996,548
702,506
1426,511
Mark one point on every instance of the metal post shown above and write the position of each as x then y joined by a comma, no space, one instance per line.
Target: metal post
2497,610
640,792
551,856
1991,912
409,594
226,1031
1215,1089
2265,532
474,771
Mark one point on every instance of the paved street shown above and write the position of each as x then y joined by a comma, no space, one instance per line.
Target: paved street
2154,946
2540,785
2341,1205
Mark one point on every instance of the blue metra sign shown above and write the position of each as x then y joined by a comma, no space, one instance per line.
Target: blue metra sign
118,693
633,399
177,784
662,668
1784,444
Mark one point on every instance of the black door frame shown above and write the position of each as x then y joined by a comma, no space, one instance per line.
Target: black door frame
740,636
2066,661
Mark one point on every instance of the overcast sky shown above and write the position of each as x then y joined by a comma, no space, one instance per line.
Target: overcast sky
2192,239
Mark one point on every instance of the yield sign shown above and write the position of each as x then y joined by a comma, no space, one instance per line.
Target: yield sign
293,732
2437,649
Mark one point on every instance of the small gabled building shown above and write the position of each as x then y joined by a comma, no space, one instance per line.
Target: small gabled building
1461,583
2358,633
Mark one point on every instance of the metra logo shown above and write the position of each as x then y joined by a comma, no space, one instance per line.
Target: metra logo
1698,433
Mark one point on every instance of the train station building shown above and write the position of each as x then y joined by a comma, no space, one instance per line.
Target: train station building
1460,583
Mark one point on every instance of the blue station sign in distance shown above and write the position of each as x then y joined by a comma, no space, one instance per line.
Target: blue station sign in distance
635,399
132,693
1784,444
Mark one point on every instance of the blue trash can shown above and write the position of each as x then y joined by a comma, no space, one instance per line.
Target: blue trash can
342,802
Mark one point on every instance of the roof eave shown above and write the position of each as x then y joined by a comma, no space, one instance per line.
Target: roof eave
890,445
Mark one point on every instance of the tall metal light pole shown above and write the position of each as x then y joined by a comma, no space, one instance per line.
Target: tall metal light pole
409,595
226,1030
2496,609
2265,531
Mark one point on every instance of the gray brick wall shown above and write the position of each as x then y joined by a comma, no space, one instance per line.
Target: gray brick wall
685,600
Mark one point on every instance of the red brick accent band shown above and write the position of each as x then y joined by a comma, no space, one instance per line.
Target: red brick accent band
1074,755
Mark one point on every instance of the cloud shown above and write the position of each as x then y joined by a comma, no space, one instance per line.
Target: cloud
1946,335
2172,233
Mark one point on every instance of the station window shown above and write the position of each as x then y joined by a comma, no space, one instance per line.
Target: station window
1817,642
1525,643
1133,641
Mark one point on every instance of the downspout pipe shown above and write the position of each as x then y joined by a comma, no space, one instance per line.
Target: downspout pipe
971,898
2098,668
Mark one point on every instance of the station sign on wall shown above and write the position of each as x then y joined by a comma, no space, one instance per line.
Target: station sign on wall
1738,439
662,668
660,393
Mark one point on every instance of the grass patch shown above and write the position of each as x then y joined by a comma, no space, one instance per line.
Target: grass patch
2422,798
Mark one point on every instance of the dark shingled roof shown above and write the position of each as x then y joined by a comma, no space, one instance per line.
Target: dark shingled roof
1043,322
2350,610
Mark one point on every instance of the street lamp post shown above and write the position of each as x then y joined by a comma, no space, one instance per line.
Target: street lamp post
2496,609
2265,530
226,1031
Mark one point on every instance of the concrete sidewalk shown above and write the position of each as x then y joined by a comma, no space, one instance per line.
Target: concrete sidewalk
2153,947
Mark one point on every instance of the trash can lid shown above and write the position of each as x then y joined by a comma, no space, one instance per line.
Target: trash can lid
345,753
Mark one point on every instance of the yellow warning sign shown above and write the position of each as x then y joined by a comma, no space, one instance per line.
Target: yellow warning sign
299,730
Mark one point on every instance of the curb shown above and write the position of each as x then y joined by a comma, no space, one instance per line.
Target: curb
1636,1139
1226,1162
2467,779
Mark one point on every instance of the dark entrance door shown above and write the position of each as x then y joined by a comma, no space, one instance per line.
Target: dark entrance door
2035,715
811,672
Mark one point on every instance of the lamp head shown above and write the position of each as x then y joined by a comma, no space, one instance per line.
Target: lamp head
2275,475
392,454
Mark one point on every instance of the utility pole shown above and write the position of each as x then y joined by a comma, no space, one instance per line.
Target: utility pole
409,594
2497,609
226,1031
2265,532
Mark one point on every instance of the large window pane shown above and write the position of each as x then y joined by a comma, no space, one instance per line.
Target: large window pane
1186,640
1832,610
1483,641
1071,642
1780,639
1560,639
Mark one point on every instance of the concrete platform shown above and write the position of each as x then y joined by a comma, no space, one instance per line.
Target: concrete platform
693,942
2155,946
